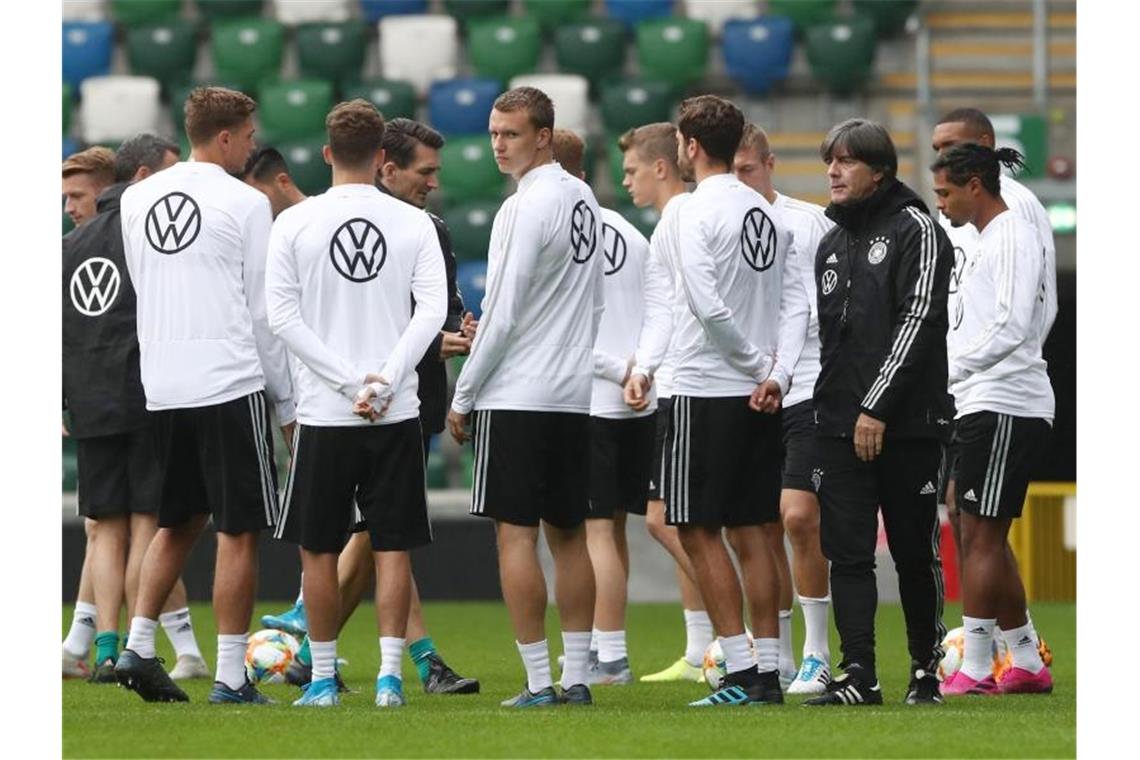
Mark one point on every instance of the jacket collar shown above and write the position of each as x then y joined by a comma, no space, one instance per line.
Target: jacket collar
889,197
110,197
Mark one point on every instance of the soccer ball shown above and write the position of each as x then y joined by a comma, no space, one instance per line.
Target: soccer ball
954,645
268,655
713,666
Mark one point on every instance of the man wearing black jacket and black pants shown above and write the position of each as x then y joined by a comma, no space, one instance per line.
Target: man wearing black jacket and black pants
881,405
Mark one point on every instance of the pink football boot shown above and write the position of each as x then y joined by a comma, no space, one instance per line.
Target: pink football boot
960,683
1021,681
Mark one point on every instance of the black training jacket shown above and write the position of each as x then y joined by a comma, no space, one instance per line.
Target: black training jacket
433,371
882,279
102,388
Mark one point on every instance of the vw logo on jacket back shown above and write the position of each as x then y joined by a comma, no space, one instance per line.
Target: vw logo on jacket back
95,286
173,223
758,240
614,248
583,232
358,250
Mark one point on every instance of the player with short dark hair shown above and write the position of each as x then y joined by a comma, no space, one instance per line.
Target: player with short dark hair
267,171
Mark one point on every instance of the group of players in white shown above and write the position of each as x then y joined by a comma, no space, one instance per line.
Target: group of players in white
608,374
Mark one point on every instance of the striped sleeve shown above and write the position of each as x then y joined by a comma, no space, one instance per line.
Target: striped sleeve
922,281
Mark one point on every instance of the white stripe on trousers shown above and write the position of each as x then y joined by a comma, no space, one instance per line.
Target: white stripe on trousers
995,470
279,530
482,421
679,477
257,417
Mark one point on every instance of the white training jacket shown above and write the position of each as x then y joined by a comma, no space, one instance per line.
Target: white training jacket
343,269
656,355
638,313
195,242
534,349
995,334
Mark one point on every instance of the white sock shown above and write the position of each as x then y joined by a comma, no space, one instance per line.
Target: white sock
594,640
231,659
698,636
977,655
391,656
576,647
815,626
82,631
1022,643
536,660
141,638
767,654
611,646
324,658
180,631
738,655
786,660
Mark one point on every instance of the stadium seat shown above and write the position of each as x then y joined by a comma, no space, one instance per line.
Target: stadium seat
294,110
68,102
470,225
471,277
132,13
436,470
115,107
889,18
803,13
554,14
419,49
84,10
758,52
503,47
462,106
164,51
467,11
633,12
631,103
213,10
644,219
841,53
247,51
673,50
715,13
297,12
374,10
307,165
333,51
86,50
68,225
594,48
393,98
614,158
570,94
468,170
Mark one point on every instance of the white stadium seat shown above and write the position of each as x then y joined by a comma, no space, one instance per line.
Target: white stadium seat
716,12
295,12
570,94
114,108
419,49
84,10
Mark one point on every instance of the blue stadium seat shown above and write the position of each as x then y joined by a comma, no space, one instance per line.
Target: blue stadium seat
471,277
758,52
632,12
69,147
374,10
86,50
462,106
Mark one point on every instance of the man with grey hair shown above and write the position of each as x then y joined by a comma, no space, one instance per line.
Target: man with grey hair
118,475
881,406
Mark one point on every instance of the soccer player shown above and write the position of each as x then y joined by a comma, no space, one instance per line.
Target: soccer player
267,171
724,469
86,174
882,276
1004,405
118,472
799,508
195,242
638,312
528,381
651,176
341,267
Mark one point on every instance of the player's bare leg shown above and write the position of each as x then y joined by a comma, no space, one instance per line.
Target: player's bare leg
799,512
393,597
774,538
761,589
574,594
609,556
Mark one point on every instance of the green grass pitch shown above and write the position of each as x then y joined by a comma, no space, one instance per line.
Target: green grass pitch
641,720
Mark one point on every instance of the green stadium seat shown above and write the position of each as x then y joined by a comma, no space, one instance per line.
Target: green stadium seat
614,158
502,48
68,103
307,165
554,14
132,13
393,97
229,9
675,50
247,51
466,11
68,225
468,170
889,18
331,51
633,102
841,53
165,51
470,226
644,219
803,13
294,110
593,48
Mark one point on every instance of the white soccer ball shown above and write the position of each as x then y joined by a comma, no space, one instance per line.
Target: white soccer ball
268,655
713,666
954,645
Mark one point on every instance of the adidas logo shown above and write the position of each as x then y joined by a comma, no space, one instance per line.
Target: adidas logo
979,629
1024,640
970,495
86,621
832,259
927,489
185,627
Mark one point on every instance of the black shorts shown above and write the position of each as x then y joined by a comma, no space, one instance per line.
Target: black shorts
531,466
377,469
723,468
799,446
993,459
118,474
359,524
621,464
661,445
218,460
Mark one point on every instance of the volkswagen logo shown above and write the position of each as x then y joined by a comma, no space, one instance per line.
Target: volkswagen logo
614,248
758,240
358,250
173,223
583,232
95,286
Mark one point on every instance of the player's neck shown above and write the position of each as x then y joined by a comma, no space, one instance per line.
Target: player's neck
541,158
988,210
204,155
769,194
669,190
345,175
702,170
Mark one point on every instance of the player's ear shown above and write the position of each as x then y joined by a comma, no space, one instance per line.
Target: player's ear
326,154
660,169
545,136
